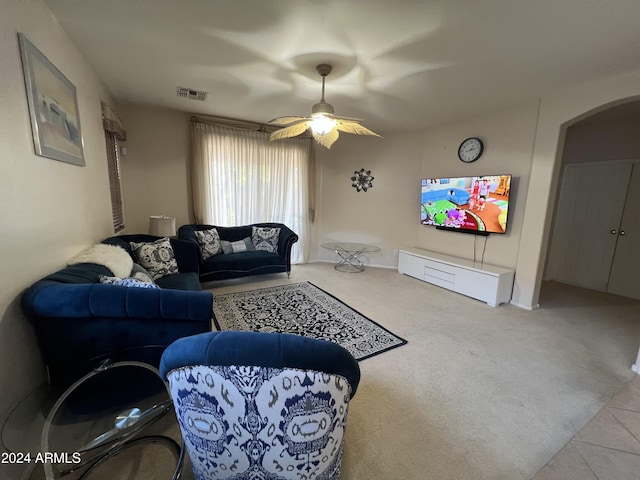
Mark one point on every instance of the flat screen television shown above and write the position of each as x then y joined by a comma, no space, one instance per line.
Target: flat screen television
467,204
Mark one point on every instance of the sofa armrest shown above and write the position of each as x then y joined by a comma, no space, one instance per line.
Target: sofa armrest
187,232
286,240
56,300
187,255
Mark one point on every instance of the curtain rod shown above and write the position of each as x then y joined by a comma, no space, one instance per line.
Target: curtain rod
233,123
239,124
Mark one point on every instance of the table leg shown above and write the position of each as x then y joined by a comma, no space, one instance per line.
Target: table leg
349,262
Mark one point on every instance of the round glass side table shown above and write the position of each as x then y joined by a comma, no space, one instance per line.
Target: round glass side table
349,254
108,422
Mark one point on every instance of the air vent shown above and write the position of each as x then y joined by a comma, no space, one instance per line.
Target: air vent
192,94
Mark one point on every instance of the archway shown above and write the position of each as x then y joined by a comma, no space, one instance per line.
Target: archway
557,111
596,165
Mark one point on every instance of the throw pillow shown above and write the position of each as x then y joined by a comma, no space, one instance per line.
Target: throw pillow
209,241
266,238
157,257
244,245
140,273
126,282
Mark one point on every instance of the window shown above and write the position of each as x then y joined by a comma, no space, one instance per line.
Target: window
115,183
239,178
114,133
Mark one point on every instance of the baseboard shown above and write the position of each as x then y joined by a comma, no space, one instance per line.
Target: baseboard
367,265
526,307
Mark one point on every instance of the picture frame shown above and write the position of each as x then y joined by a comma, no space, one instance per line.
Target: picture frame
53,107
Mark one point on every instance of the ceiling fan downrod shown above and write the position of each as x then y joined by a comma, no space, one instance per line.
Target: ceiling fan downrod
323,107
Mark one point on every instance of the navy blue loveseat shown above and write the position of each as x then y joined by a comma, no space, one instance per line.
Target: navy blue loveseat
80,322
234,265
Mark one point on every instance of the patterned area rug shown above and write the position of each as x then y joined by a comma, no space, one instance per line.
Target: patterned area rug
303,309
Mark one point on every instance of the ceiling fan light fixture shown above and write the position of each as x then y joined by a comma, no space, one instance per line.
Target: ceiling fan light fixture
324,126
321,108
321,124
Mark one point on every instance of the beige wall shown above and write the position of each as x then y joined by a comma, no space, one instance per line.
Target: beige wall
508,136
50,210
386,214
155,169
603,140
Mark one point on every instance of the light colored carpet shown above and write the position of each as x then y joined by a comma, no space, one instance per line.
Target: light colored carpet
478,392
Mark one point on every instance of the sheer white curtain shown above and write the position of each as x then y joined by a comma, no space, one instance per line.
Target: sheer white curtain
239,177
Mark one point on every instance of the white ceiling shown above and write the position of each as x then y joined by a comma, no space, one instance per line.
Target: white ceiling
398,64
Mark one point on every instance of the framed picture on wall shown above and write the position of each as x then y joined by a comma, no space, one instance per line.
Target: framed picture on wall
53,107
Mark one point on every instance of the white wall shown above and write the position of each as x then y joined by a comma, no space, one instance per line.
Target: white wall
155,170
50,210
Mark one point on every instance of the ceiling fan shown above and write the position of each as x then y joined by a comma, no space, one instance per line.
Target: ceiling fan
323,123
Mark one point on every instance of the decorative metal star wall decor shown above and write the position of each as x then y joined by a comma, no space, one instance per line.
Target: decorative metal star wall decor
362,180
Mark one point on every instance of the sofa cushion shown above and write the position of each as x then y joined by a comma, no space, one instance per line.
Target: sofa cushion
265,238
242,262
157,257
209,242
240,246
126,282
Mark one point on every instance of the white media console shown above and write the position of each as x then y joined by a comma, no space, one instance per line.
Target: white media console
488,283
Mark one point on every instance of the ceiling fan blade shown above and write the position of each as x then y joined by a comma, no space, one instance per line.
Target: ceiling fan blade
287,120
291,131
355,128
349,119
328,139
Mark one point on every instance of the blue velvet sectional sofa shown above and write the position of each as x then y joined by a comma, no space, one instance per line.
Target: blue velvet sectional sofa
80,322
254,262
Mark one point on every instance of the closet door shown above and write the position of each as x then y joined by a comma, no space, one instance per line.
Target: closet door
589,211
625,271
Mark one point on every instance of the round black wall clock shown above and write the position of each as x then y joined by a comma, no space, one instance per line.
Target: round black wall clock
470,149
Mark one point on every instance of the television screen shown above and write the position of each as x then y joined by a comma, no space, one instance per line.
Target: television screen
470,204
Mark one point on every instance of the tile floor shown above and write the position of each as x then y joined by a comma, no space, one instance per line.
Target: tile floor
607,448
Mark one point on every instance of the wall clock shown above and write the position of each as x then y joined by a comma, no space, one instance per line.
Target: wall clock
470,149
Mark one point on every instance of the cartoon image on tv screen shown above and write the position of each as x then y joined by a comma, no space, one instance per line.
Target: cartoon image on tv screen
469,203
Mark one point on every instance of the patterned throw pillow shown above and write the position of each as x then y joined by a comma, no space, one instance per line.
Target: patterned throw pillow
209,241
265,238
244,245
126,282
157,257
